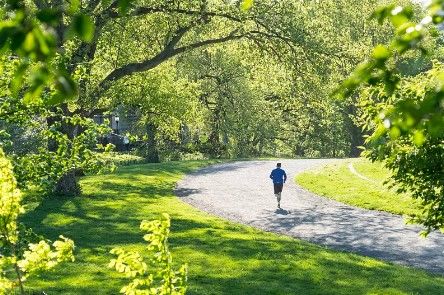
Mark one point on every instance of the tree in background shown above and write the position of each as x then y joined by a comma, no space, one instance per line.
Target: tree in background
99,52
405,115
157,105
237,119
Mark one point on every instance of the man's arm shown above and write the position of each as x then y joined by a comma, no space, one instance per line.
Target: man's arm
285,176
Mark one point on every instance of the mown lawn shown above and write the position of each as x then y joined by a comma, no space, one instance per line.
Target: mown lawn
223,257
337,182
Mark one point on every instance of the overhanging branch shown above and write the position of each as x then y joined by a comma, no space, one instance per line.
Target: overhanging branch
168,52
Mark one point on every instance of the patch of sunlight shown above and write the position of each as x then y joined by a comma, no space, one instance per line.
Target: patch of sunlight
343,283
56,219
371,263
307,264
387,291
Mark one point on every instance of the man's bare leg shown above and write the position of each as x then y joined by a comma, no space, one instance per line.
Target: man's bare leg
278,196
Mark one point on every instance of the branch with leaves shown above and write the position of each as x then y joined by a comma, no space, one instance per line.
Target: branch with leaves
157,275
16,257
403,115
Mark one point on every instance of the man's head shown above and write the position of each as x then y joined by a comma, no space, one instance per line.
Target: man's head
278,165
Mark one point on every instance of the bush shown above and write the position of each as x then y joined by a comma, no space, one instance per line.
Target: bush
160,277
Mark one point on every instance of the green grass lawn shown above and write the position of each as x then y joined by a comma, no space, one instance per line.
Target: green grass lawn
336,181
223,257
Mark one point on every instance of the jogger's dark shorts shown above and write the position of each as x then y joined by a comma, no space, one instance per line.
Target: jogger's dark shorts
278,187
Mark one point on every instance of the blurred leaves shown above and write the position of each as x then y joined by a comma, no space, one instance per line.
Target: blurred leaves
404,116
31,37
83,27
246,4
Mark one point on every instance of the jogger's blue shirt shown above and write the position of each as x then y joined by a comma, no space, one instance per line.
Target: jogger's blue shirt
278,175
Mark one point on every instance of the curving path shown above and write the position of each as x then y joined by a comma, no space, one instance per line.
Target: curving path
242,192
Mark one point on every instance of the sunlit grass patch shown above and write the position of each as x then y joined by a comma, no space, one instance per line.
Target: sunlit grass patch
337,182
223,257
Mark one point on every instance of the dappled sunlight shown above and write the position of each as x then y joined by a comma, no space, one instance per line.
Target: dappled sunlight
336,181
224,257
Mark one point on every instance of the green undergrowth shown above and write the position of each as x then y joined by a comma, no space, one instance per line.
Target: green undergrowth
223,257
336,181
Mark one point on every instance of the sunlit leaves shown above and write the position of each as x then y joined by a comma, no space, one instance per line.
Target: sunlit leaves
9,202
246,4
407,132
41,256
160,278
381,53
36,257
32,37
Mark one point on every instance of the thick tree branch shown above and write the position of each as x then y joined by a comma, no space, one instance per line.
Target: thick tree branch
201,13
231,36
168,52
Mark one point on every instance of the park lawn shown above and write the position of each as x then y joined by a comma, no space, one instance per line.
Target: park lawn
223,257
337,182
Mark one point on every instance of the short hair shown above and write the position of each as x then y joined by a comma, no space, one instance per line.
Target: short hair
279,164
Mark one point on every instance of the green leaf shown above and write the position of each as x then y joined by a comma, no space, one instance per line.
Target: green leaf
19,75
246,5
46,43
4,35
123,6
381,53
419,138
17,40
49,16
74,6
83,26
30,43
394,132
66,89
437,19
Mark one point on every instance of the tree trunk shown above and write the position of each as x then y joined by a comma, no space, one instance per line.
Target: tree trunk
152,155
356,136
68,185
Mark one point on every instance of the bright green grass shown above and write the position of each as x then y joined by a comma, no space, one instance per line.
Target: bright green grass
336,181
223,257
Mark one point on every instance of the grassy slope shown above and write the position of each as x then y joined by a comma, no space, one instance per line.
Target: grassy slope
337,182
224,258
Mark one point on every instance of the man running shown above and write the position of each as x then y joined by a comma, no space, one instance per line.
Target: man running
279,177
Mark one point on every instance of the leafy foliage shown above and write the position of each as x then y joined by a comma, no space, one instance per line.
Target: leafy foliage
405,116
415,158
162,278
36,257
379,69
34,37
44,168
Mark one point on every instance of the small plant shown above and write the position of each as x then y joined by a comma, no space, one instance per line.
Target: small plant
18,260
156,276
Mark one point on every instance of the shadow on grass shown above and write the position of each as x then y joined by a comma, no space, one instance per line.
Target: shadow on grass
270,265
112,206
273,266
359,232
224,258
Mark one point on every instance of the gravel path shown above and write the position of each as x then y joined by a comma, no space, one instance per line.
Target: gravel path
242,192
